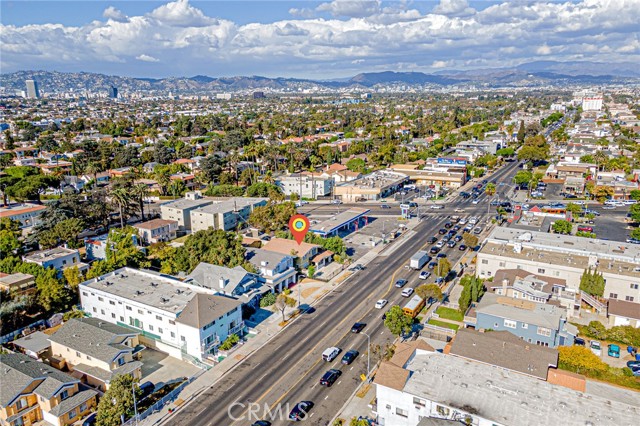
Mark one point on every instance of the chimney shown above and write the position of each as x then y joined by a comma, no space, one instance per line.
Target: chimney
222,282
505,283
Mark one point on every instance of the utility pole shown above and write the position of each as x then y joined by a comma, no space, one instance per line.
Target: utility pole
135,405
368,352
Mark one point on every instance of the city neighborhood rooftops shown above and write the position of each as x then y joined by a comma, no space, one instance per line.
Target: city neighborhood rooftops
505,350
49,255
146,287
526,311
155,224
94,337
206,308
18,209
9,280
512,398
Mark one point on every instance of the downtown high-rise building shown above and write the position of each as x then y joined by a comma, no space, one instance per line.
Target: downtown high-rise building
113,92
32,89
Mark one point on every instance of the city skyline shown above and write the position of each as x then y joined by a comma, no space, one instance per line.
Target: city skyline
310,39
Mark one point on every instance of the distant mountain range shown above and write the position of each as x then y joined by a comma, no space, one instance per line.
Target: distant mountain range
533,74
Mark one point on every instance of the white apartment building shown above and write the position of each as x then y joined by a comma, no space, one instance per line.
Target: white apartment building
274,269
180,210
429,384
305,185
565,257
182,320
225,215
58,258
157,230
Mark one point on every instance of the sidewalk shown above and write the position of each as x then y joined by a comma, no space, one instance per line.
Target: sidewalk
311,291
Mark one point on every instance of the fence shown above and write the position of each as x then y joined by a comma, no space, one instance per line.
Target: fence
10,337
171,396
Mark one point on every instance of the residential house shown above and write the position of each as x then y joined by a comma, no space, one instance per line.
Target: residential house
101,178
184,320
302,253
188,179
235,282
621,312
27,214
538,323
35,345
274,269
17,283
58,258
96,351
35,393
157,230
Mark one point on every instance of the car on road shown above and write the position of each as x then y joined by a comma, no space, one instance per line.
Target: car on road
476,201
434,250
595,347
381,303
442,231
440,244
441,255
385,206
633,241
407,292
448,225
350,356
432,240
439,280
358,327
457,238
357,267
462,247
336,201
436,207
609,208
301,203
300,411
462,221
330,377
432,265
261,423
330,354
459,210
401,282
451,244
424,275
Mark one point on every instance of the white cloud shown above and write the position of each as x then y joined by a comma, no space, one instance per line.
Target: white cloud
147,58
350,36
115,14
350,8
301,13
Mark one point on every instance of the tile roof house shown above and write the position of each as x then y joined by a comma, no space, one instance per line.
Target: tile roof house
303,253
35,392
96,351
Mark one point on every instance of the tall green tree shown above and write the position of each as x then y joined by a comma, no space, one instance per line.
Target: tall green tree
592,282
117,402
562,227
429,291
122,198
397,321
139,192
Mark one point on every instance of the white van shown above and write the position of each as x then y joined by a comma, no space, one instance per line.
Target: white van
330,354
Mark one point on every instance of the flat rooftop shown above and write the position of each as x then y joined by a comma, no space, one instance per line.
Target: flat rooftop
339,220
613,256
48,255
379,179
183,203
513,398
145,287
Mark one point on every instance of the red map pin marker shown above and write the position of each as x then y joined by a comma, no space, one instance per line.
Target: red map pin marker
299,226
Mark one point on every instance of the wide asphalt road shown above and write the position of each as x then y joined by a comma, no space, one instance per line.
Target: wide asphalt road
288,368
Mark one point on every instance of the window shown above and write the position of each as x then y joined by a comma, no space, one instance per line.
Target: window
443,411
121,361
402,413
542,331
150,327
485,261
64,394
140,311
121,319
83,407
111,302
88,357
182,338
113,315
418,401
21,403
95,310
84,293
628,298
613,295
510,323
72,414
158,317
102,311
101,299
525,326
502,264
78,354
172,322
633,286
159,330
541,270
173,334
128,308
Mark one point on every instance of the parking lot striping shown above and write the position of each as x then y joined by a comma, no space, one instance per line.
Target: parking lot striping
285,357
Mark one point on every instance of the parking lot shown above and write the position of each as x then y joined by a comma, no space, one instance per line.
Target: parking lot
610,225
160,367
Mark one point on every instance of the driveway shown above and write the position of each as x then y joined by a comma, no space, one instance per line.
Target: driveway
160,367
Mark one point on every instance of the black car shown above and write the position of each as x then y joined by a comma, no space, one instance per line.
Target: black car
462,247
262,423
401,282
457,238
456,228
432,265
358,327
633,364
579,341
385,206
432,240
442,231
350,356
357,267
448,225
330,377
434,250
441,255
300,411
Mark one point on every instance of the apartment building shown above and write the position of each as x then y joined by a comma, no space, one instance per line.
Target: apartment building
157,230
96,351
27,214
225,215
306,185
34,393
58,258
564,257
180,210
181,319
17,283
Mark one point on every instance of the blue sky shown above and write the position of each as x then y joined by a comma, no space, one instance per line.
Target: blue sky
310,38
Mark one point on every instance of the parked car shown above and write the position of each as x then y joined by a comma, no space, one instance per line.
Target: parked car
330,377
400,282
579,341
451,244
614,351
300,411
457,238
381,303
440,243
358,327
407,292
439,280
441,255
90,420
633,364
595,347
357,267
475,201
436,207
434,250
336,201
432,265
432,240
425,275
442,231
261,423
350,356
462,247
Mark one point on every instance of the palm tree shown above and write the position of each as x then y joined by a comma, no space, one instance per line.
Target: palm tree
122,198
140,191
93,168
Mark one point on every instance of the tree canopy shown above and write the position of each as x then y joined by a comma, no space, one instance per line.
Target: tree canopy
397,321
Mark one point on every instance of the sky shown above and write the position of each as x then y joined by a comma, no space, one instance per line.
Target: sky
310,39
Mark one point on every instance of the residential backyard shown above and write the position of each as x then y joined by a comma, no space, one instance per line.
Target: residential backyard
443,324
450,314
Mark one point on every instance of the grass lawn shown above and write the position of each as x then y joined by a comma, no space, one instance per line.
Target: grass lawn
444,324
450,314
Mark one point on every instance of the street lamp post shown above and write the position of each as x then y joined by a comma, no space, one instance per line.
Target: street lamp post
135,405
368,352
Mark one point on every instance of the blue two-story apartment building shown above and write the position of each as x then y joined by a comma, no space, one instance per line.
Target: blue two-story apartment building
537,323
